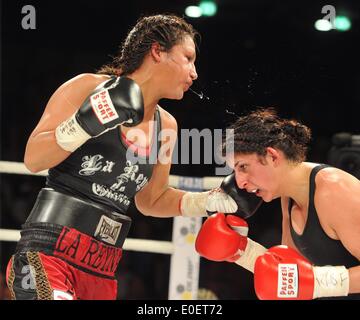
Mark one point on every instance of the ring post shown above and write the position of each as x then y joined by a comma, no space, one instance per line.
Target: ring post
185,261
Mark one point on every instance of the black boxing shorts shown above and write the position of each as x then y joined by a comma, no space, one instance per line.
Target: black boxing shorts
69,236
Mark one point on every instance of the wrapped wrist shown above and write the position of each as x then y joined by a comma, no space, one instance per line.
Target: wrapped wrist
331,281
202,204
70,135
248,258
193,204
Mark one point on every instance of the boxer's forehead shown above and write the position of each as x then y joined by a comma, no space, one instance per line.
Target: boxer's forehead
233,160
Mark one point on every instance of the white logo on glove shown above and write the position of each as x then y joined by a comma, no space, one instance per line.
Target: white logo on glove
103,107
287,280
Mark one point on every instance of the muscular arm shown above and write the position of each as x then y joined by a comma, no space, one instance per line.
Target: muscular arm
157,198
157,201
42,152
338,201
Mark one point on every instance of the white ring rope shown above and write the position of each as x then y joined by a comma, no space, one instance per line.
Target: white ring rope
164,247
19,168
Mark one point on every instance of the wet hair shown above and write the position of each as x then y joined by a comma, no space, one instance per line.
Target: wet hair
166,30
263,128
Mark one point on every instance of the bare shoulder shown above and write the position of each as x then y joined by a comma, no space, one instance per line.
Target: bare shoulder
337,192
167,119
72,93
85,80
69,97
337,200
332,181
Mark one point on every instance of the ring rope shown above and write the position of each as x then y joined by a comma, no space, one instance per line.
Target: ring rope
162,247
154,246
19,168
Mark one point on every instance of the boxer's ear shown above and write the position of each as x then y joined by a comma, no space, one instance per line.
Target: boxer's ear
274,156
156,51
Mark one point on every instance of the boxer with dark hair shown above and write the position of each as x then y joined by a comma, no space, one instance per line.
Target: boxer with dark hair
320,251
100,138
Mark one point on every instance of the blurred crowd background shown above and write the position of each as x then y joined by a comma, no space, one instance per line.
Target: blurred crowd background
252,53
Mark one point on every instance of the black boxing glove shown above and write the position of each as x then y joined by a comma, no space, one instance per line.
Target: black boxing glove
229,198
114,102
247,202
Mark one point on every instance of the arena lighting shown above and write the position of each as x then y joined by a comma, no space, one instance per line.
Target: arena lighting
193,11
323,25
208,8
342,23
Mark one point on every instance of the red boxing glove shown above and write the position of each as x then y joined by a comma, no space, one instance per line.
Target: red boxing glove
282,273
222,238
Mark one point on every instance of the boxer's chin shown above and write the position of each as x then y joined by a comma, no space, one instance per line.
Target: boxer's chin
266,196
177,94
